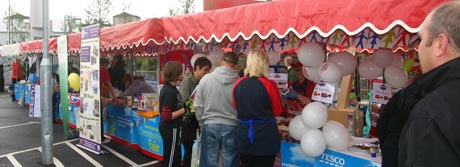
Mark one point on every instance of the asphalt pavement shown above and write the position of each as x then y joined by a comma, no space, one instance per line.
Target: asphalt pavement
20,144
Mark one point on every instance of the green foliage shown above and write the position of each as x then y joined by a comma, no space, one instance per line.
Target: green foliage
97,13
19,25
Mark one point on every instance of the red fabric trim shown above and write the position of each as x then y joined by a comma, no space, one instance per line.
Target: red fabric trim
72,126
275,97
233,90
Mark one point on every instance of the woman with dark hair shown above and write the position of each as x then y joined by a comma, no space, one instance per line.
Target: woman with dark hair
117,72
171,110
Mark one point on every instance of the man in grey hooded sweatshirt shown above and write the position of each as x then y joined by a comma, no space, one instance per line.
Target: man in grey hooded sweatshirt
217,117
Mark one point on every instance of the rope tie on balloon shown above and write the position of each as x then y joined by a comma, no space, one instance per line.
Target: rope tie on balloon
250,124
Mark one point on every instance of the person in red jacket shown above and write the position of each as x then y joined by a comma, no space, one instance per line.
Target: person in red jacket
300,92
16,75
257,102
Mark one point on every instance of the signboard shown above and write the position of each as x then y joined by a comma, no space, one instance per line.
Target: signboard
382,92
90,116
323,92
292,156
63,82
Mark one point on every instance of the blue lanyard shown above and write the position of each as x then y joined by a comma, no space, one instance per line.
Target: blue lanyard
250,124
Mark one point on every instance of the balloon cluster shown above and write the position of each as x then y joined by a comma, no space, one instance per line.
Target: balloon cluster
313,141
386,62
312,56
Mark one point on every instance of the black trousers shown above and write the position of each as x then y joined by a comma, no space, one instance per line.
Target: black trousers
188,147
171,146
257,161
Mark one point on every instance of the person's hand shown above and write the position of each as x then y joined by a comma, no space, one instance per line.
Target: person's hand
292,94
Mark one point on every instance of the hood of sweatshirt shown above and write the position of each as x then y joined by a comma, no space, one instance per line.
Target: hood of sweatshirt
225,75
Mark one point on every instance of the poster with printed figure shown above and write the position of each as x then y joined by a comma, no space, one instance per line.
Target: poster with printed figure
89,116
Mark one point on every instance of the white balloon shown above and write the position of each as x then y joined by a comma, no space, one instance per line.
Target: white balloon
273,57
311,55
330,72
396,77
196,56
314,115
345,60
397,61
311,73
336,134
367,69
313,143
297,128
382,58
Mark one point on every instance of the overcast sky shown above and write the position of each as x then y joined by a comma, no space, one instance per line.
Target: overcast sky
60,8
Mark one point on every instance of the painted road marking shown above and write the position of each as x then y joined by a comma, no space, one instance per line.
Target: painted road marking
13,161
84,155
56,161
31,149
127,160
11,126
150,163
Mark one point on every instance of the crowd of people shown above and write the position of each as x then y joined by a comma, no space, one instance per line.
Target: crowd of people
236,115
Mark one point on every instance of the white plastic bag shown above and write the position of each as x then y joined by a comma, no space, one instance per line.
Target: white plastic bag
196,151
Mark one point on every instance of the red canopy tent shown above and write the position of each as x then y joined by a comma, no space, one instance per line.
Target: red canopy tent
36,46
329,20
74,42
134,37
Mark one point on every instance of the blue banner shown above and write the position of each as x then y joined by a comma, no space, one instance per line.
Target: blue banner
123,123
292,156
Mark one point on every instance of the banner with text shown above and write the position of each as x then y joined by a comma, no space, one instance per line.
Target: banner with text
63,83
90,115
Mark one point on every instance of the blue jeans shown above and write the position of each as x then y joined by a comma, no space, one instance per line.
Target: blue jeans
215,138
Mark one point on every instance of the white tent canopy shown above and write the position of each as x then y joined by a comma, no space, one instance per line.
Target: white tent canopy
10,50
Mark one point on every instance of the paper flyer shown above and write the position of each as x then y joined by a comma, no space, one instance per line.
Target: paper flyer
280,79
382,92
323,92
89,116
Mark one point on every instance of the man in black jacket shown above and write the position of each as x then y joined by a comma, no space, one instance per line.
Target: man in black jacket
430,136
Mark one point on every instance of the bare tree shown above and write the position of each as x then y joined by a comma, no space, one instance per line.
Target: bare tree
125,5
186,7
97,13
18,25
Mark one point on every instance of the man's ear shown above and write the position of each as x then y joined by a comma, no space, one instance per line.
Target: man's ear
441,44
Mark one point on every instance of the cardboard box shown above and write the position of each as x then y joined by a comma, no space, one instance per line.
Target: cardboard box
341,116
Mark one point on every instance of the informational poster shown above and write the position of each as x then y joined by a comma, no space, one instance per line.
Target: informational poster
35,97
323,92
280,79
63,82
89,116
36,91
382,92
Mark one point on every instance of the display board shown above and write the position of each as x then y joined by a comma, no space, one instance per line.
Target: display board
90,115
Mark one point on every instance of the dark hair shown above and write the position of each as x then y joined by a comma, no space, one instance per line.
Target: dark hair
445,19
103,61
172,71
202,62
230,57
